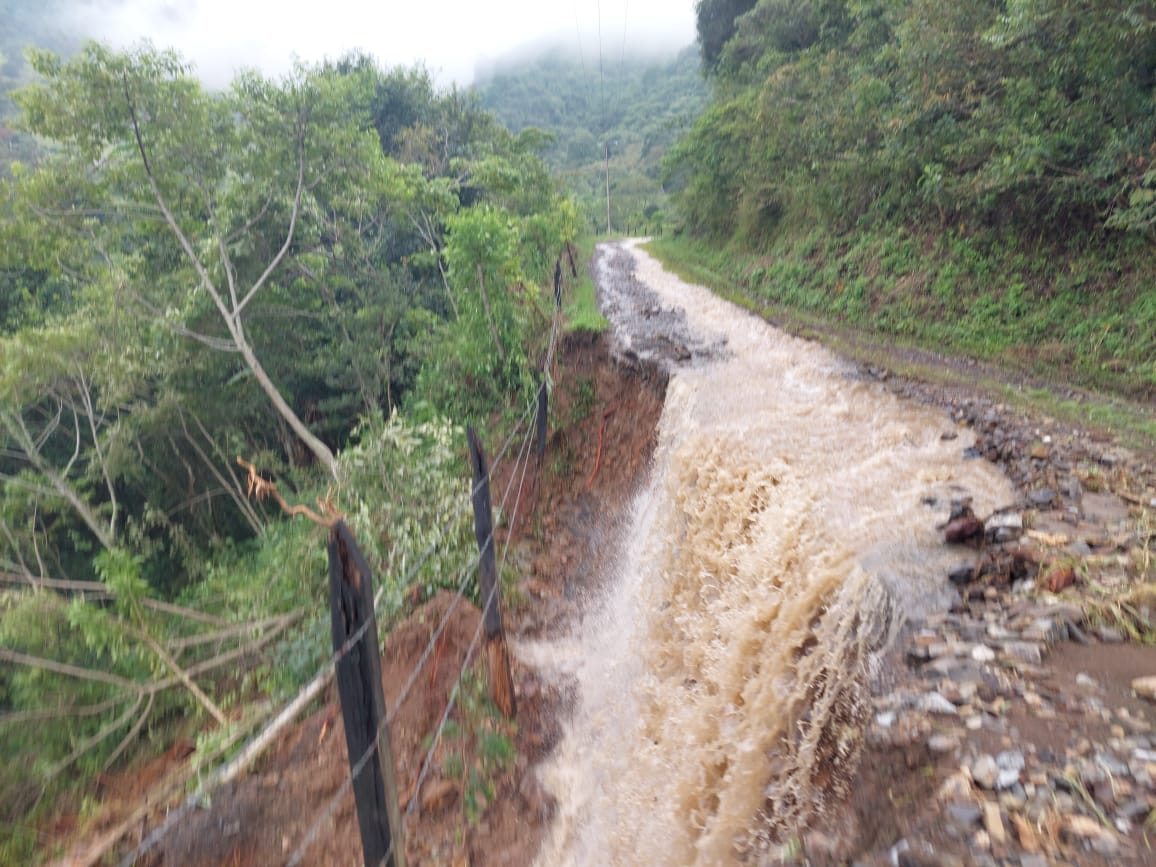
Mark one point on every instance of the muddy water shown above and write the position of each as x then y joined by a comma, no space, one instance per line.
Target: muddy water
788,525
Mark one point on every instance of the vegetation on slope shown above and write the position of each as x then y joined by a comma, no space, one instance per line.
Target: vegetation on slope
637,108
327,274
976,177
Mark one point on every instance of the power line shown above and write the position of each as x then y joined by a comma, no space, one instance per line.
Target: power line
601,76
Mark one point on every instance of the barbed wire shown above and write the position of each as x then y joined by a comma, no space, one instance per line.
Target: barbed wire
335,800
326,670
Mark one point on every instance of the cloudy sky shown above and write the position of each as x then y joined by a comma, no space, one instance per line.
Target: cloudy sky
450,36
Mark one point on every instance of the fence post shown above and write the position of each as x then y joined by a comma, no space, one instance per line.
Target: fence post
497,654
558,284
362,701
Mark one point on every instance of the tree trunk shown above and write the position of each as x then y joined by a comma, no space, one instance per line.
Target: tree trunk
490,315
319,449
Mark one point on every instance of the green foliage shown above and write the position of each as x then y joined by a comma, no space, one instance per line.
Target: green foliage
183,274
1035,116
636,109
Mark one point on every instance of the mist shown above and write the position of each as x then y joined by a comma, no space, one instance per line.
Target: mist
453,39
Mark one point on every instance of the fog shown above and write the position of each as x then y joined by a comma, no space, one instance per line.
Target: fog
452,38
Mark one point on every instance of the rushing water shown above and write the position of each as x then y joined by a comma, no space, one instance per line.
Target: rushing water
788,524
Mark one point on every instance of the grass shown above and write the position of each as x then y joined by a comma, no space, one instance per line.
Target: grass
581,308
1075,341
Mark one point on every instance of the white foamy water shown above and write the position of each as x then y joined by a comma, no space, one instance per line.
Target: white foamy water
784,531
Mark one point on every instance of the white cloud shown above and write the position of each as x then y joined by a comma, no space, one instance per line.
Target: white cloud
449,36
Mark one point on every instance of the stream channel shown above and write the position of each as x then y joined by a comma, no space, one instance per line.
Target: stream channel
787,527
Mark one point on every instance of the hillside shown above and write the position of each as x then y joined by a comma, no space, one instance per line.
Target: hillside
638,106
976,179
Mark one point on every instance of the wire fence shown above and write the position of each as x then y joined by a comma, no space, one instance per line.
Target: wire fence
273,719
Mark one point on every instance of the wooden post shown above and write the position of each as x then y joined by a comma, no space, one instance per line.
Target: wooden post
497,654
362,701
558,284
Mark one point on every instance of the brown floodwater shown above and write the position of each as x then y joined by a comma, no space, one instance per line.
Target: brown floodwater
787,527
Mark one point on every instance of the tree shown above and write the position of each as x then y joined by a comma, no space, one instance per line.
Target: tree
715,24
196,205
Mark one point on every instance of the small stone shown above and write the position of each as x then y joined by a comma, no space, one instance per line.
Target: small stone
993,823
1092,832
965,815
941,743
1134,810
886,719
933,702
974,723
982,653
1145,687
1010,764
1108,635
1086,681
1024,651
1033,861
985,772
1041,497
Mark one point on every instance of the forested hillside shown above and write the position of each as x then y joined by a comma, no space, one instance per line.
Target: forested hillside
976,175
635,106
327,274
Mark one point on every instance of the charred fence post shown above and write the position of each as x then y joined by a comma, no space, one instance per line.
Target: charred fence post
362,701
557,284
497,654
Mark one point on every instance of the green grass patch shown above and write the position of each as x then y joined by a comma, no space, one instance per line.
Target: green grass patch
1082,322
580,308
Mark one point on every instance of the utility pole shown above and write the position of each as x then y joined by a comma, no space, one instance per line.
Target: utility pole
608,229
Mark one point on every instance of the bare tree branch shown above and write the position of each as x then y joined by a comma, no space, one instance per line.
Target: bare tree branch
183,676
52,665
68,710
292,222
174,226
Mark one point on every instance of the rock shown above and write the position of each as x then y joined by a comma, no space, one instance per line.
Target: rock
961,575
1041,497
985,771
965,529
965,815
1005,526
1086,681
1145,687
1009,763
1108,635
1090,831
982,653
933,702
1056,578
1024,651
941,743
993,823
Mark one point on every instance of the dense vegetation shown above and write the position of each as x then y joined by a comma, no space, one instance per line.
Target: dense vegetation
326,274
636,109
977,175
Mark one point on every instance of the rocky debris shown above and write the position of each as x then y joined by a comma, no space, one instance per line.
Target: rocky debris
976,675
1034,765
